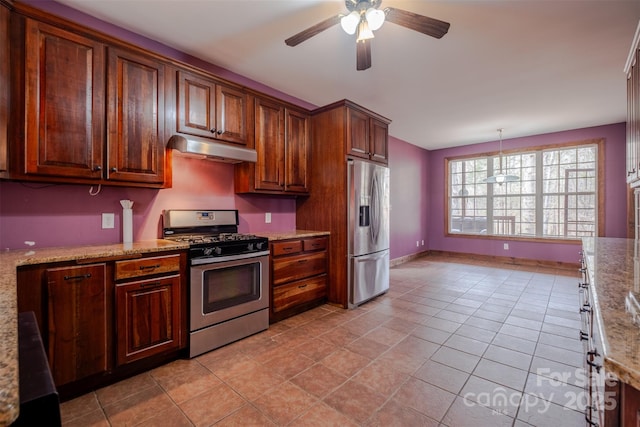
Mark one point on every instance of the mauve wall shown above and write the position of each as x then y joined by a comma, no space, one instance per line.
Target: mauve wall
62,215
614,195
408,167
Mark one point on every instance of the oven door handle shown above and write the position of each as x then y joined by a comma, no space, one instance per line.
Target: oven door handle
214,260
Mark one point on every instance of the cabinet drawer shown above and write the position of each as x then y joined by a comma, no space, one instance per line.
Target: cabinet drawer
147,266
299,292
317,244
284,248
298,266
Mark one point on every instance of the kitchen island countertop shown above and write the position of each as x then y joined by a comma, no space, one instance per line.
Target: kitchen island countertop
291,234
9,262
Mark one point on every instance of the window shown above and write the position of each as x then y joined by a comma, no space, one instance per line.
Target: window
556,195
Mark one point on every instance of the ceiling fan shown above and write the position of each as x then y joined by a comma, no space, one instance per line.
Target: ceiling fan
363,18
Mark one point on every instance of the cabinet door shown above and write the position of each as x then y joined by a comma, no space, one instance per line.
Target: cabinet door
379,141
196,105
77,322
357,133
64,96
231,114
147,318
296,151
4,87
269,132
135,117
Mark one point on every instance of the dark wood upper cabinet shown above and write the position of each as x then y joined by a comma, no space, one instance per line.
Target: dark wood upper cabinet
269,134
93,111
297,146
367,136
211,109
64,103
282,141
5,78
135,117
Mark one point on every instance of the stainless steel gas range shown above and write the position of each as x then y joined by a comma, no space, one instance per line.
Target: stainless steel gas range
228,277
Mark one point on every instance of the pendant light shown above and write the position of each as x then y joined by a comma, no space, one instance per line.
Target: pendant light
500,178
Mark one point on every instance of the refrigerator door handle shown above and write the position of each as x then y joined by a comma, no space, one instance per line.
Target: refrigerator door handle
375,208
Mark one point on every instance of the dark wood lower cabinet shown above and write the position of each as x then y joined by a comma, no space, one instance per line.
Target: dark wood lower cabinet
105,321
77,322
148,320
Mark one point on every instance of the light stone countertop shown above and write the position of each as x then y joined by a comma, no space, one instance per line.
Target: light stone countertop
9,261
291,234
614,273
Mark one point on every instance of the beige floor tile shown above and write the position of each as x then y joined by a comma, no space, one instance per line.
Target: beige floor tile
285,403
425,398
345,362
247,416
123,389
355,400
382,378
319,380
255,381
138,407
79,406
322,415
211,407
394,415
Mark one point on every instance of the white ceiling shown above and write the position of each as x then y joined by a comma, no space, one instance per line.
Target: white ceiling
528,66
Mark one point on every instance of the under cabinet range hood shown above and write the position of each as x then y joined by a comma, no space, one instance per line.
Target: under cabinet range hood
211,150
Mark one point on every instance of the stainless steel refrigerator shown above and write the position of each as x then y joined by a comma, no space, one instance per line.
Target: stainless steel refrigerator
368,229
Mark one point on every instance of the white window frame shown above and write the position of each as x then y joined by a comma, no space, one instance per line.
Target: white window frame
507,226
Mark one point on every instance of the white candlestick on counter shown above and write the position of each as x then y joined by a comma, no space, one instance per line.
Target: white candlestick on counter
127,221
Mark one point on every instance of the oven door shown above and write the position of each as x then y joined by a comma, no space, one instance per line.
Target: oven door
222,291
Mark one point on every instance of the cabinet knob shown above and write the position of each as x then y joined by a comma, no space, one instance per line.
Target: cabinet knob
114,169
213,130
97,168
220,132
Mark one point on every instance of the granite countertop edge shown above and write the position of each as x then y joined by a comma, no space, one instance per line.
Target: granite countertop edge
611,267
290,234
9,262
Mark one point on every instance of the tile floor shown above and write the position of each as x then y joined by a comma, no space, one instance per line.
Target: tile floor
451,344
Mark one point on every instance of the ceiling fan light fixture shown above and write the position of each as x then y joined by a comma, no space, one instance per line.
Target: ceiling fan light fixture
375,18
364,32
349,23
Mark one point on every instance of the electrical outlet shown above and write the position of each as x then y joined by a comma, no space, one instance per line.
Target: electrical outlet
267,217
506,246
423,243
417,243
108,220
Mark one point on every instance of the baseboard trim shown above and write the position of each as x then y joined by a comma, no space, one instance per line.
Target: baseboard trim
524,262
407,258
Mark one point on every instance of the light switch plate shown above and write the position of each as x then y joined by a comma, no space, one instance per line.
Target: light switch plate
108,220
267,217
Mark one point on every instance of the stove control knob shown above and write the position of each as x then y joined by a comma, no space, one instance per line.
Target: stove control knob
217,250
250,247
260,245
207,251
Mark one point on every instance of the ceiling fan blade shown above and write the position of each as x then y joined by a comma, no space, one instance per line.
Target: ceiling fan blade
312,31
423,24
363,55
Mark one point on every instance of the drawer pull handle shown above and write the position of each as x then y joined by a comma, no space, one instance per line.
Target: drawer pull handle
79,277
288,248
302,261
586,308
584,336
149,267
149,285
302,286
594,365
583,285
